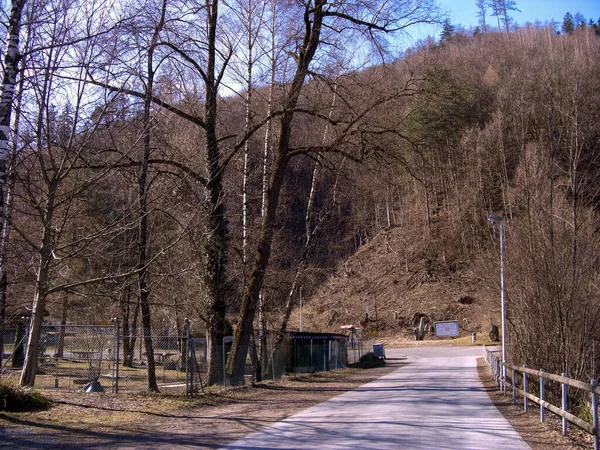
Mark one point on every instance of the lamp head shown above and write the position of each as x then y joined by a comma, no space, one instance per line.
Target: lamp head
495,218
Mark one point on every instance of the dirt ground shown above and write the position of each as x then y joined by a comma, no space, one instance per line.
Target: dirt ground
218,416
213,419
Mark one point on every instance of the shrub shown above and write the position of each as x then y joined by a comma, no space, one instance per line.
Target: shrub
18,399
369,360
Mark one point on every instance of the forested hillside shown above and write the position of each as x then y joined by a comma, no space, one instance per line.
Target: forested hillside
175,160
505,124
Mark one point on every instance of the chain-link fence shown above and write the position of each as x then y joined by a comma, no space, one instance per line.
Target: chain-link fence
96,358
99,358
359,346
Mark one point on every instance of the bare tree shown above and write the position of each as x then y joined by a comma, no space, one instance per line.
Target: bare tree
316,16
9,81
143,232
50,172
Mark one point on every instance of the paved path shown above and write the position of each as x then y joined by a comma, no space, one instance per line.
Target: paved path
434,402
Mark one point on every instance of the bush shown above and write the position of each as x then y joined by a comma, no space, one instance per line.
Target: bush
369,360
18,399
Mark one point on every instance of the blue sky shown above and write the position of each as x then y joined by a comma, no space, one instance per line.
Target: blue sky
464,11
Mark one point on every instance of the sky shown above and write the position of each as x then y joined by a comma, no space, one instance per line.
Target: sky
464,12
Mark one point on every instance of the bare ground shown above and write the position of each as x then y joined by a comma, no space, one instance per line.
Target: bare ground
220,416
137,421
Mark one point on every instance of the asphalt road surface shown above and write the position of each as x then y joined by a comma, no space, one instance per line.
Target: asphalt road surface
433,401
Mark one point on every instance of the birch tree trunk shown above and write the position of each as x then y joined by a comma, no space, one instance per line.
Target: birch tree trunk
237,357
267,150
11,62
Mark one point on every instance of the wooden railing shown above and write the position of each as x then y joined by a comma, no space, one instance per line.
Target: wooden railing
506,382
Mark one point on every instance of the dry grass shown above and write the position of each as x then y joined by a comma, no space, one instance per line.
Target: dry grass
212,419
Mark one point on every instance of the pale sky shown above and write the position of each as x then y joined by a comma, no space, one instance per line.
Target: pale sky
464,12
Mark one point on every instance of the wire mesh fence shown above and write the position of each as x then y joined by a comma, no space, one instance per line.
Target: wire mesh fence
101,358
96,358
359,346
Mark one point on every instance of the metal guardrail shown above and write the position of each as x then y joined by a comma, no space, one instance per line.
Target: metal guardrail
496,365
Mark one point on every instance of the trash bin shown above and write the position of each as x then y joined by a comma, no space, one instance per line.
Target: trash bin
379,351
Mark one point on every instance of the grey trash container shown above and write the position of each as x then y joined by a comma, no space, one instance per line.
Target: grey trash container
379,351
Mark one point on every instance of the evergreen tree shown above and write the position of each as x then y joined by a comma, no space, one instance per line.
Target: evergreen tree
505,7
481,13
568,26
579,20
496,7
447,31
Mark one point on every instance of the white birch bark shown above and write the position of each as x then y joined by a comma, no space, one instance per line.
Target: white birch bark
11,62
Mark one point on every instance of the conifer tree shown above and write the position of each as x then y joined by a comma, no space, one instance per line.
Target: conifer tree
481,13
447,31
568,26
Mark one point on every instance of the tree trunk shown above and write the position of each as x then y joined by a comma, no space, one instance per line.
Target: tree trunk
309,231
41,287
239,351
11,61
143,232
262,310
60,346
215,249
128,329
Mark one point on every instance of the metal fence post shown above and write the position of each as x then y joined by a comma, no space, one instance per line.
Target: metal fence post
188,379
564,405
514,385
499,372
542,395
525,399
224,363
26,337
496,370
595,412
273,360
116,356
503,377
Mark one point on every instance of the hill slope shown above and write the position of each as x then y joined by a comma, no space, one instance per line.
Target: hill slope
387,283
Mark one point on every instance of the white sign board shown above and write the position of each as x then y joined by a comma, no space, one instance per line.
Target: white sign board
445,329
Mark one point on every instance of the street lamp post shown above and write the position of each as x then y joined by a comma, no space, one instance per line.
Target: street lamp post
503,296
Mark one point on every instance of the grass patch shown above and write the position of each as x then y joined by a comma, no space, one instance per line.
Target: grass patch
466,341
18,399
